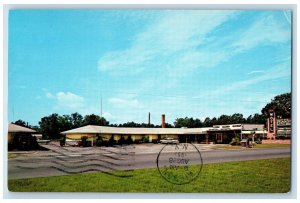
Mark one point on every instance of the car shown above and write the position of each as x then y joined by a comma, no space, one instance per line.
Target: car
169,140
258,141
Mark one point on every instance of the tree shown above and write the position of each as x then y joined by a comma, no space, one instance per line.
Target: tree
237,118
65,122
207,122
181,122
281,104
50,126
187,122
130,124
223,120
77,120
168,125
213,121
25,124
21,123
257,119
93,119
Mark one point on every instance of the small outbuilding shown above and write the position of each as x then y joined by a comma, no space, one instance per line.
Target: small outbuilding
14,129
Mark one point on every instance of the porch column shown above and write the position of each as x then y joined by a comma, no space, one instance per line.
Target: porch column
207,138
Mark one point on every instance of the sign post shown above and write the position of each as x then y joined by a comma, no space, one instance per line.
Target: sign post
271,124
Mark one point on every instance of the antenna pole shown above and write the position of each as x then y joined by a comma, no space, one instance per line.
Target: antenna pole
101,105
13,114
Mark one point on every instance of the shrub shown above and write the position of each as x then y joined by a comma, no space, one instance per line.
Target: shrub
111,141
129,140
252,144
121,140
84,142
62,140
258,141
99,141
235,141
22,141
145,139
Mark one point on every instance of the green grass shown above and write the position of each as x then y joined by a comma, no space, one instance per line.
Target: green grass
275,145
271,145
258,176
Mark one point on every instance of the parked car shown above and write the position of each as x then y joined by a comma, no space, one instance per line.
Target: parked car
258,141
169,140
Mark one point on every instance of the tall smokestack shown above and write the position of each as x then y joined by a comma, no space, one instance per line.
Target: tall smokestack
149,120
163,120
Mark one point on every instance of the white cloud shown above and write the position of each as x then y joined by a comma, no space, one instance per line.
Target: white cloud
49,95
175,45
255,72
66,100
170,36
178,43
264,31
124,103
107,115
69,99
279,71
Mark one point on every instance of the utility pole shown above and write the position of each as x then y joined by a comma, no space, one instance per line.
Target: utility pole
101,104
13,114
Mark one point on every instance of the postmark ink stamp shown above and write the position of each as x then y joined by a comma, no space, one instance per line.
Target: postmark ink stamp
180,163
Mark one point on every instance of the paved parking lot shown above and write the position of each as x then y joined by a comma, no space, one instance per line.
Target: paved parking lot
148,148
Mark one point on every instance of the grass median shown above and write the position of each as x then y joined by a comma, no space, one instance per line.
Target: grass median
257,176
273,145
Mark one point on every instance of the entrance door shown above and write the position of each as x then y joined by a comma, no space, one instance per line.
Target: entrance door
219,137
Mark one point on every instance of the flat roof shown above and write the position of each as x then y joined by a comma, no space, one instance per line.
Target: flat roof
94,129
91,129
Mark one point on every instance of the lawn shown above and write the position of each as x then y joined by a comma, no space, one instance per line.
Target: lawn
258,176
275,145
271,145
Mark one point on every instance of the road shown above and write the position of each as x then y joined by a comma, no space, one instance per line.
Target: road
63,163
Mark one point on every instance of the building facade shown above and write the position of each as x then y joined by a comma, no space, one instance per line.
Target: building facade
215,134
14,130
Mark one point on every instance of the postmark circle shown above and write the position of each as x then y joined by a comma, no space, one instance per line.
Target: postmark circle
179,163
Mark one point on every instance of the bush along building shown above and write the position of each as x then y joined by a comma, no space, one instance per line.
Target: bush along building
104,135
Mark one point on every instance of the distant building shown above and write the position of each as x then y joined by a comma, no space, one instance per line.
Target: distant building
225,133
283,128
38,136
14,129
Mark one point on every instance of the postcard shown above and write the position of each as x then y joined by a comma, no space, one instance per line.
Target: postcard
149,100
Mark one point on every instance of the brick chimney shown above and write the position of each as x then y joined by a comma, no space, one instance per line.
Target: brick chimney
163,120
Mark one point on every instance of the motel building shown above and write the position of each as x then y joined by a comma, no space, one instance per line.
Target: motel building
208,135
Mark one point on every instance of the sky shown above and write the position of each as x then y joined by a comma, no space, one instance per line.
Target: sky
194,63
